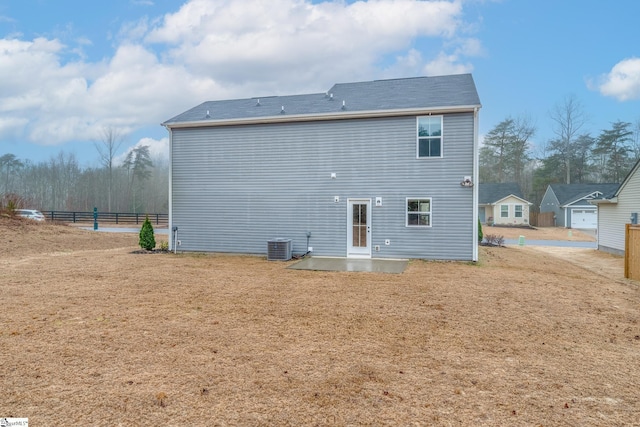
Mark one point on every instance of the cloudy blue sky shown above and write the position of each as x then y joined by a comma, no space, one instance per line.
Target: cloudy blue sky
71,68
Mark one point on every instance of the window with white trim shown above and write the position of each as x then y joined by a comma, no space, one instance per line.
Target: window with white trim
429,136
419,212
517,211
504,211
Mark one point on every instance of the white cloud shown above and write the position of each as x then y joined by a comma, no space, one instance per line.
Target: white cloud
55,103
452,63
296,41
158,149
623,81
409,64
6,19
446,64
470,47
220,49
12,126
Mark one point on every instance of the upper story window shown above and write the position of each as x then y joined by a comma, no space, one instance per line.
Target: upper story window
429,136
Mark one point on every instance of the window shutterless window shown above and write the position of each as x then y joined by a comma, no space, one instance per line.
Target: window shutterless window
419,212
504,211
429,136
518,211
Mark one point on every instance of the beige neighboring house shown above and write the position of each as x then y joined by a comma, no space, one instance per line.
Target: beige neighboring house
617,209
502,204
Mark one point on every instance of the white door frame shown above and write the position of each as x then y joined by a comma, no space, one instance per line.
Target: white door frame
362,248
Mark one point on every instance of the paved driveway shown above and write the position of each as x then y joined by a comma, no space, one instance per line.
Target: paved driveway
126,229
596,262
557,243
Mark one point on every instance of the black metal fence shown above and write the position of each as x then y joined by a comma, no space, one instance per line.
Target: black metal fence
109,217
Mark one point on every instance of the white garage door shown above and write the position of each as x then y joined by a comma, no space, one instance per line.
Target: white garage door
584,218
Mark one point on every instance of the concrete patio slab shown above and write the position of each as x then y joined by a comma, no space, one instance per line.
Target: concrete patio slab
395,266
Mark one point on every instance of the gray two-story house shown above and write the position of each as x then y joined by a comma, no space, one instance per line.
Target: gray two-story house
378,169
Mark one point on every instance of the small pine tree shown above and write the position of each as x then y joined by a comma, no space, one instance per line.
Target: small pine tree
147,239
480,234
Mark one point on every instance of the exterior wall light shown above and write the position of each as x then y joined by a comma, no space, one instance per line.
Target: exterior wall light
466,182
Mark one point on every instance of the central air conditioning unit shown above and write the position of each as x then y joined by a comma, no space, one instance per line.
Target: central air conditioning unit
279,250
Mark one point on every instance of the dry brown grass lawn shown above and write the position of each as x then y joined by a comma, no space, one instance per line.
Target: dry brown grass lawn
93,334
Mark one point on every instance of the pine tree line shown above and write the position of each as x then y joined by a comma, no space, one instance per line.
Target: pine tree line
572,156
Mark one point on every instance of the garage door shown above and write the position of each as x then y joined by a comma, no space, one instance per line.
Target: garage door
584,218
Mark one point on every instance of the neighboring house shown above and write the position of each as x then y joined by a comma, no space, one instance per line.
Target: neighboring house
379,169
617,209
502,204
571,205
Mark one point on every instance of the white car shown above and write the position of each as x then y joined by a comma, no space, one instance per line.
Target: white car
30,213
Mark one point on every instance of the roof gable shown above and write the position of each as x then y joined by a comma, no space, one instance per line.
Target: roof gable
494,192
342,100
626,180
571,193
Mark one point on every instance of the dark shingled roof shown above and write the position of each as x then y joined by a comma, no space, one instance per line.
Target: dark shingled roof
491,193
379,95
569,193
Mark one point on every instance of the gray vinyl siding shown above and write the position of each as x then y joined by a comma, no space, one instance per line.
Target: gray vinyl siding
236,187
550,203
613,217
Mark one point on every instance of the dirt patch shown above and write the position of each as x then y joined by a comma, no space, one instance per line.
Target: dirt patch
92,334
602,263
542,233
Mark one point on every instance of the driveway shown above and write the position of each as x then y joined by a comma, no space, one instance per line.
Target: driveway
557,243
597,262
125,230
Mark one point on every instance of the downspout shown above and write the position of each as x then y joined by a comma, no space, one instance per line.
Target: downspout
476,177
172,240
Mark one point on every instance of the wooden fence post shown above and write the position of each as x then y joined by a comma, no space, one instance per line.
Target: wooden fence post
632,252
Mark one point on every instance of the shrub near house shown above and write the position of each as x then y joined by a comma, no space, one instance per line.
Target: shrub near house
147,239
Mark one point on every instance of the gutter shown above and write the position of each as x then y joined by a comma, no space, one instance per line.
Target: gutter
341,115
476,179
611,201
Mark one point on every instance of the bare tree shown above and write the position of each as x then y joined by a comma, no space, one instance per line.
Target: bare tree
524,130
110,141
569,117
